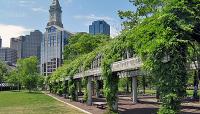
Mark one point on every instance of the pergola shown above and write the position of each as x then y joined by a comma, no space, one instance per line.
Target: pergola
127,67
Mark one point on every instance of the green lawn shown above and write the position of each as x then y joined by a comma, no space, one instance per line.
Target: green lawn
189,92
32,103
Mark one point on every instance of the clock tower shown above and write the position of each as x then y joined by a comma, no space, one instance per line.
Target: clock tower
55,17
54,41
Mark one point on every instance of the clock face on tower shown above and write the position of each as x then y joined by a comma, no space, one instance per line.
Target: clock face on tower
52,17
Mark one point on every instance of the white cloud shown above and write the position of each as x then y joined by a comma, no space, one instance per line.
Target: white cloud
39,9
114,31
10,31
25,3
93,17
66,2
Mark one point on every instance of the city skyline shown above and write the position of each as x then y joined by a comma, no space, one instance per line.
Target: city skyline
30,15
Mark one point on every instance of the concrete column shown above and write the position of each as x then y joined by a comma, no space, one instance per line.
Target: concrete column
79,86
76,90
67,89
64,91
93,88
115,105
97,89
134,89
89,90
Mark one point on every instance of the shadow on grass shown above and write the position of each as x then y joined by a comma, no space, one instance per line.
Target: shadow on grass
33,92
15,91
26,91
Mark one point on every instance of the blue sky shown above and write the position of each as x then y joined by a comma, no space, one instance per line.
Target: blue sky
19,17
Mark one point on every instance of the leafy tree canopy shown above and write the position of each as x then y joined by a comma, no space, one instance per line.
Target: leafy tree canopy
83,43
26,73
3,71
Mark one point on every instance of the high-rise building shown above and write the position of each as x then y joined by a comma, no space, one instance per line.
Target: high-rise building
54,40
16,44
27,46
31,45
0,42
99,27
8,55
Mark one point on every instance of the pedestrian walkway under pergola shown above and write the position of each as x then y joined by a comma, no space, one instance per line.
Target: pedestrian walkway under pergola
129,67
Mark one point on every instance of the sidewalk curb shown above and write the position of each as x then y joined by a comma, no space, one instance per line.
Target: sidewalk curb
68,104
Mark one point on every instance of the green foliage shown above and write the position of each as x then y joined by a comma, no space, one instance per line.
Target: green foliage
30,81
55,87
26,74
65,87
27,66
82,48
72,88
83,43
3,71
110,112
14,78
123,83
60,88
85,91
171,105
111,54
40,81
163,31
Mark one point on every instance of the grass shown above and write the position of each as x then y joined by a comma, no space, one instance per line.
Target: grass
190,92
32,103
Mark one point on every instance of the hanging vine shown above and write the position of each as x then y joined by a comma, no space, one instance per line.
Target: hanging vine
72,88
85,91
112,54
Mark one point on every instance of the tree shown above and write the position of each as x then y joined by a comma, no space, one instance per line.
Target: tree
83,43
162,33
28,71
15,79
3,72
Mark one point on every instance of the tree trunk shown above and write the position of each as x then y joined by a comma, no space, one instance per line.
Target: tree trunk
1,86
127,87
143,83
158,94
196,84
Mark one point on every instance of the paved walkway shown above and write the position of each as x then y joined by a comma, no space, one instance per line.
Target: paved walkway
146,105
91,109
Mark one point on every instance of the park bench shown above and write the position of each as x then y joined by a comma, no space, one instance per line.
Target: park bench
70,98
81,100
101,105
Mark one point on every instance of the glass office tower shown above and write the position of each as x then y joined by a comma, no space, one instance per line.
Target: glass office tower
99,27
